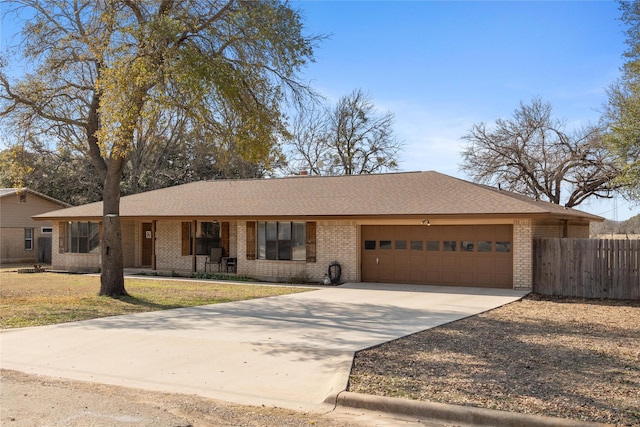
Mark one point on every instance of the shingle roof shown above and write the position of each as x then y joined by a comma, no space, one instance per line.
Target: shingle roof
13,191
393,194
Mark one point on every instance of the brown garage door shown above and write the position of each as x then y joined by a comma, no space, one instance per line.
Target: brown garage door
438,255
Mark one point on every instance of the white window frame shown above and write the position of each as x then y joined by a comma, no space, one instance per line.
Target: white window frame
28,240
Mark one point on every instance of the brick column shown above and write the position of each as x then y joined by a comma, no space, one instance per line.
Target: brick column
522,254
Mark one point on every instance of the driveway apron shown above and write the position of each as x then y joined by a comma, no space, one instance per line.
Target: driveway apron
292,351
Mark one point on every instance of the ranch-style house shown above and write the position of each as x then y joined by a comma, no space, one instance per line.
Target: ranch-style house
410,227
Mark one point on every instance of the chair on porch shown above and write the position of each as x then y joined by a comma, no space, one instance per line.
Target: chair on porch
231,264
214,258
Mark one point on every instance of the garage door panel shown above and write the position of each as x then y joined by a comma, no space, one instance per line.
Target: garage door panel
416,254
386,275
401,276
466,278
416,260
450,278
449,262
503,280
467,262
485,279
433,277
485,265
416,276
502,263
401,258
433,261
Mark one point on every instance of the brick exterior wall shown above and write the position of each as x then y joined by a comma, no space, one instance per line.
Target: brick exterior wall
338,241
169,248
69,261
335,241
579,231
575,230
130,243
522,253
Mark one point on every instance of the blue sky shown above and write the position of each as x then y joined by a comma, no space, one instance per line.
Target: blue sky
442,66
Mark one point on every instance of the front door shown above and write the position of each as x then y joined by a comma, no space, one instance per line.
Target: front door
147,244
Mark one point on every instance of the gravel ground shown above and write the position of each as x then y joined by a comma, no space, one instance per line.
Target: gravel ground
567,358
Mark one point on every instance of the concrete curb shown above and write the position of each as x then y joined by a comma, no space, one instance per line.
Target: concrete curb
453,413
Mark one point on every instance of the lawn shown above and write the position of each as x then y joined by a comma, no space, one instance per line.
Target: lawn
569,358
49,298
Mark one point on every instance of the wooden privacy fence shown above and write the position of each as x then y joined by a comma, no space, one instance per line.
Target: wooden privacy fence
587,268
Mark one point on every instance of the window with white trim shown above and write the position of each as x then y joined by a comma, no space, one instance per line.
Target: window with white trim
28,239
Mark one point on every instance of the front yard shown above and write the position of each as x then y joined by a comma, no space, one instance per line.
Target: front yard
48,298
567,358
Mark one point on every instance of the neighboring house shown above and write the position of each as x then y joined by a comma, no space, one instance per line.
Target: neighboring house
21,238
414,227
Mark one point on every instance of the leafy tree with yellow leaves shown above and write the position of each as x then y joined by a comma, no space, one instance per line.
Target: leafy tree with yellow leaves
102,67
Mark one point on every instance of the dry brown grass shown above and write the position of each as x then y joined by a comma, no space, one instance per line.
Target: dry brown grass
49,298
567,358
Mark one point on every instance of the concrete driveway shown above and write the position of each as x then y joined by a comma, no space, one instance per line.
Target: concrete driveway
292,351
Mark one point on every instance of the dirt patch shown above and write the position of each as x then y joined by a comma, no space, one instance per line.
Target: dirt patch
30,400
559,357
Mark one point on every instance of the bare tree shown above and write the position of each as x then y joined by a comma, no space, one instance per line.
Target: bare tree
351,139
532,154
308,147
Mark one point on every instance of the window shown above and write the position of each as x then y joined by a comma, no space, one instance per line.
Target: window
416,245
503,246
83,237
401,244
466,246
449,246
298,241
370,245
46,230
484,246
271,233
28,239
282,240
433,245
385,244
207,236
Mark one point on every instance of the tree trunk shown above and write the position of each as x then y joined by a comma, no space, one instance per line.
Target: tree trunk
112,277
